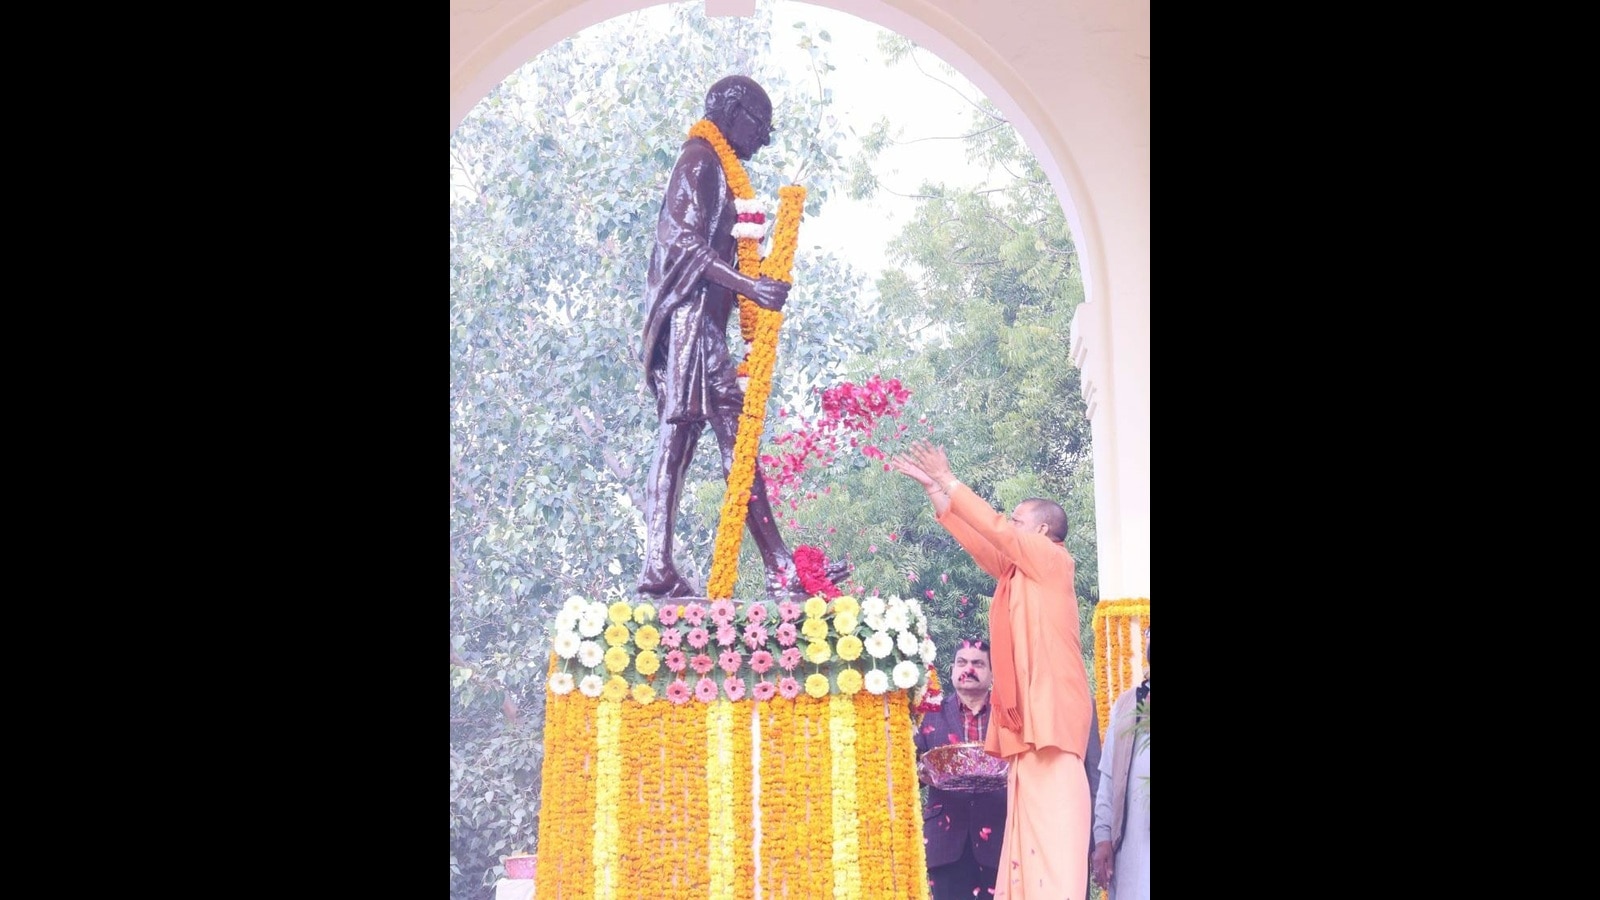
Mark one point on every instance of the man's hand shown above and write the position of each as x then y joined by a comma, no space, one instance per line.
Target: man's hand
769,293
903,464
932,461
1101,865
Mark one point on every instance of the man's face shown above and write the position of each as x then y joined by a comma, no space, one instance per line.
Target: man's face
971,671
749,127
1026,519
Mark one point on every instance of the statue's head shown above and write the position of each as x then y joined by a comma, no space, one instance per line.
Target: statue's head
741,111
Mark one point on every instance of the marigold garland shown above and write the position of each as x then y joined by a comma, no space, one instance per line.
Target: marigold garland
872,792
846,840
744,791
719,799
758,364
607,797
1112,655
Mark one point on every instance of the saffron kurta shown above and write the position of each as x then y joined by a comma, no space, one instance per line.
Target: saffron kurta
1047,793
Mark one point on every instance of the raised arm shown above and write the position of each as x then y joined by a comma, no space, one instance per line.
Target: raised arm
914,464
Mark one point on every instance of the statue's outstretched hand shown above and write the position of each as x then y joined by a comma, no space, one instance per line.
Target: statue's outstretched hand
769,293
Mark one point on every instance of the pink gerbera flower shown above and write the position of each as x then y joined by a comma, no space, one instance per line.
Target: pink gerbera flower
789,659
726,635
756,614
763,690
676,661
722,612
788,610
695,613
668,614
705,690
671,638
730,661
698,637
701,663
789,688
755,636
734,688
761,661
787,634
678,692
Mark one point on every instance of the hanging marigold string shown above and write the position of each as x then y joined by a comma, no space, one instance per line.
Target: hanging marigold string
1112,621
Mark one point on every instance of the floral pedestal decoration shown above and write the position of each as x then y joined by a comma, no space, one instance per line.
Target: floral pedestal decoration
788,774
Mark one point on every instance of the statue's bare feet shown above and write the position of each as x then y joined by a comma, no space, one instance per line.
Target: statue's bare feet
784,584
837,571
664,588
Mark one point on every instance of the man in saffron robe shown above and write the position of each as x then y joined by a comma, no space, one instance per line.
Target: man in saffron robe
691,291
1042,708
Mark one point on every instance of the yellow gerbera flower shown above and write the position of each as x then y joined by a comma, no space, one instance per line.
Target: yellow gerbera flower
620,612
615,689
647,637
849,681
815,607
643,613
818,652
617,635
644,693
815,629
647,662
817,685
616,659
849,648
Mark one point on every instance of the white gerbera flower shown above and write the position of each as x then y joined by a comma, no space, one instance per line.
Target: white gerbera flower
877,682
880,644
590,654
928,652
898,618
591,623
561,683
872,606
908,644
566,644
591,685
574,604
906,674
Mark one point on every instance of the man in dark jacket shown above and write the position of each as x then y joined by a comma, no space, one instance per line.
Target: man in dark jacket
962,831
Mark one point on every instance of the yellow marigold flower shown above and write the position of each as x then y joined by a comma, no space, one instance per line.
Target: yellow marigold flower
849,681
846,604
643,613
647,662
817,685
849,648
644,693
620,612
815,607
844,622
615,689
647,637
616,659
815,629
818,652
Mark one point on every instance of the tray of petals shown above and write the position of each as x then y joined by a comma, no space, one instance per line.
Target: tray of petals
964,768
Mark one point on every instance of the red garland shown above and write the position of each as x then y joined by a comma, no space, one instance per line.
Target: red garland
812,568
